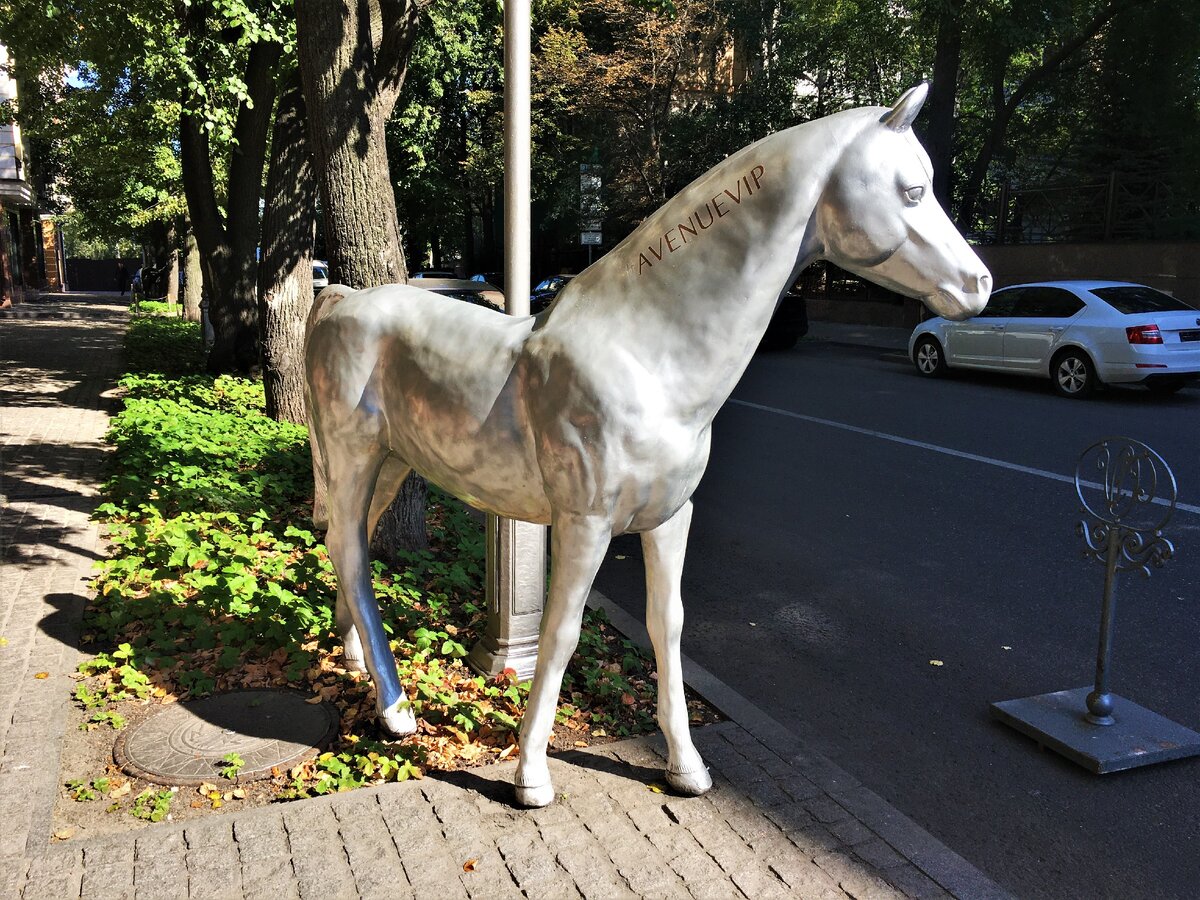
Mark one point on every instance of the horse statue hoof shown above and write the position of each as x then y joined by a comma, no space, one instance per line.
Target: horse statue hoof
535,797
692,784
398,719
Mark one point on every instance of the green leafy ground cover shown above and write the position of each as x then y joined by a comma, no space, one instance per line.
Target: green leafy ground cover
216,581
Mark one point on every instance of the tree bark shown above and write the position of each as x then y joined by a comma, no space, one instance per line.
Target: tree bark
193,278
353,58
285,273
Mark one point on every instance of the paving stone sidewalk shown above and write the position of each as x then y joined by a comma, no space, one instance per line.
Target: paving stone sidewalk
781,821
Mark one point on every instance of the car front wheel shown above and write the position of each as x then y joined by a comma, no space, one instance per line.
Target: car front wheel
1073,375
928,358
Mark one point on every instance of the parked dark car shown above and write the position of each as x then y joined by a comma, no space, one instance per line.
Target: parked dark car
789,324
431,273
545,292
478,292
494,278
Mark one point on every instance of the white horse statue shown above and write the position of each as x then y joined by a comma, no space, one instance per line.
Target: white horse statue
595,416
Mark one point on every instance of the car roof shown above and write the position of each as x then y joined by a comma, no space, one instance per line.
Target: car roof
1071,283
452,284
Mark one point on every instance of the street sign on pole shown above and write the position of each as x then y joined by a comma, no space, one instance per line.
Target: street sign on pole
516,551
590,238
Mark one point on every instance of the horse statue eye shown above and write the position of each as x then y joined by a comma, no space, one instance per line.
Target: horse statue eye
914,194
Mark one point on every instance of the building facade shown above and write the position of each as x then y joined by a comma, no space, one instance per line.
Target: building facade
31,258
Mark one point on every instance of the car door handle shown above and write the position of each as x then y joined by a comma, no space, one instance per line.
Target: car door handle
1059,329
997,328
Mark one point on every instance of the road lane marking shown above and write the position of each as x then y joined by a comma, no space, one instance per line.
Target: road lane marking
960,454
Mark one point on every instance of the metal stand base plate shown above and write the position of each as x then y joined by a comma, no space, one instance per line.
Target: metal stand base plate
1139,737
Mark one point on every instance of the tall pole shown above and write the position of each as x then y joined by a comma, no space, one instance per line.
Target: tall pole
516,551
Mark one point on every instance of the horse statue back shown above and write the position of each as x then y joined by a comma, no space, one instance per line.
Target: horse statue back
595,416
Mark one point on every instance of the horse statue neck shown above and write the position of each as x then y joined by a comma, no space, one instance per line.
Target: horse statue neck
691,291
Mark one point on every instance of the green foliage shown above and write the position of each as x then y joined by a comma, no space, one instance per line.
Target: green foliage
215,581
233,765
152,805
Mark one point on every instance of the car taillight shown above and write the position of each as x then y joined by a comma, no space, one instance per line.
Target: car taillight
1144,334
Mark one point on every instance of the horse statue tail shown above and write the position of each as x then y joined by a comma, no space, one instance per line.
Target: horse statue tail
322,304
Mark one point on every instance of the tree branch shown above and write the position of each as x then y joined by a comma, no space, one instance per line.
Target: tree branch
399,19
250,133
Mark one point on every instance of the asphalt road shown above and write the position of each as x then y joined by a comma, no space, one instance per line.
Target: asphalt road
828,567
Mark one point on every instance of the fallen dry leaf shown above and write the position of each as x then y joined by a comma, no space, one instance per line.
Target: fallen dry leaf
197,804
469,865
122,790
313,701
936,662
206,788
657,788
63,833
42,675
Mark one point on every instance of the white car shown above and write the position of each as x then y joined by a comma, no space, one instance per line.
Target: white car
1079,334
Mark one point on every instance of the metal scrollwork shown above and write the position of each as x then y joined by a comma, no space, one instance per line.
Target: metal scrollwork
1125,533
1135,550
1131,478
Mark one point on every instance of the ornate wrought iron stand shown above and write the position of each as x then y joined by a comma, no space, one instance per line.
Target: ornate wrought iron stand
1097,728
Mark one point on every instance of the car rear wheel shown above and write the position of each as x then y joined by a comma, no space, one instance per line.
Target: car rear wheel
928,358
1073,375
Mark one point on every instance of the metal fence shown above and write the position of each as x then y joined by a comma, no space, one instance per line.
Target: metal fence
1118,208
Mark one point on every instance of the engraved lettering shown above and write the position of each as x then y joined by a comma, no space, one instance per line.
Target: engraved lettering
676,237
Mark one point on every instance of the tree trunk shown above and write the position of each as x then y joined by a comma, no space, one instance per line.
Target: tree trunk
353,58
173,279
285,273
228,243
193,278
939,110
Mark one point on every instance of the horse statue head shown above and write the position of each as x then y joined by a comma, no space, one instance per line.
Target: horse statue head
878,218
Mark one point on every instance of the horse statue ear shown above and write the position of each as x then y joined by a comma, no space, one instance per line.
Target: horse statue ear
900,116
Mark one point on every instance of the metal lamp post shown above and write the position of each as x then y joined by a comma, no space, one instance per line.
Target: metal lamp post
516,551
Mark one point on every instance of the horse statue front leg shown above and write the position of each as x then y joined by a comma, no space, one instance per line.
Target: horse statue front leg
664,548
578,545
353,474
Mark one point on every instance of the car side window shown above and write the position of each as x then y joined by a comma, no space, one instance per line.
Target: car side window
1001,304
1047,303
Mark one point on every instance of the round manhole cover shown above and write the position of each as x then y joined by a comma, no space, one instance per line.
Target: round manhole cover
184,744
